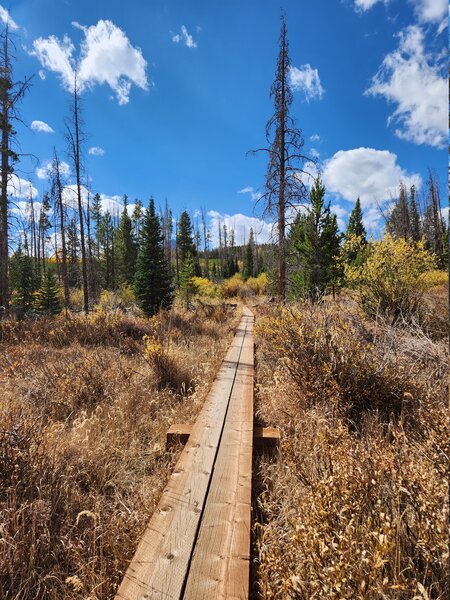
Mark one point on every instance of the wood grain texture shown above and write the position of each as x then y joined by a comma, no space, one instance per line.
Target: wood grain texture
220,564
159,567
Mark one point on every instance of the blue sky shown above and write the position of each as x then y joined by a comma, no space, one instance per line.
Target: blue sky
175,93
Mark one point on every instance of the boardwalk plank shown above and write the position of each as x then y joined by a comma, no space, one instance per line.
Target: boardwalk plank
220,565
159,568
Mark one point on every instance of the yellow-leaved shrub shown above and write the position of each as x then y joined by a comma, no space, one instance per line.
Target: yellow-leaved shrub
391,282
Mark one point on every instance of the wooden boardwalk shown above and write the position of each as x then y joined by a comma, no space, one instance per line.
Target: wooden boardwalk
197,543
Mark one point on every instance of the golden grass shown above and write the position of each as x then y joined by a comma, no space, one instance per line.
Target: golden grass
83,417
355,504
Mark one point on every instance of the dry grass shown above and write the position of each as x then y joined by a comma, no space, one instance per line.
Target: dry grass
83,417
355,504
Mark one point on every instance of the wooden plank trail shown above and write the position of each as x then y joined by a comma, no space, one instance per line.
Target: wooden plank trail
197,543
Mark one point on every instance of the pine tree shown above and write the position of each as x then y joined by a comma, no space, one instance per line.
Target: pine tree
136,219
398,223
185,240
106,245
47,297
96,216
23,280
125,248
249,265
414,216
73,245
187,285
152,281
316,245
355,230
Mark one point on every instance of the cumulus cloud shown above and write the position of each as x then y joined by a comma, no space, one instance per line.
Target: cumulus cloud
22,209
431,11
41,126
416,83
315,137
106,57
43,171
241,225
249,190
185,37
20,188
364,5
306,79
5,17
314,153
341,214
96,151
373,175
112,204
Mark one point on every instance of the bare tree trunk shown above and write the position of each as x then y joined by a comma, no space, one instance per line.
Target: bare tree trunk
92,278
205,238
59,200
75,142
4,124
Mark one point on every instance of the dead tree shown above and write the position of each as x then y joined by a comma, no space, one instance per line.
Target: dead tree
285,188
11,93
57,187
205,241
75,137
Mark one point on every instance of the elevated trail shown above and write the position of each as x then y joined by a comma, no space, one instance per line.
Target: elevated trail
197,543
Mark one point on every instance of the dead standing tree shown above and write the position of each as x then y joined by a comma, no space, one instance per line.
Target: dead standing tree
75,138
284,188
57,187
11,93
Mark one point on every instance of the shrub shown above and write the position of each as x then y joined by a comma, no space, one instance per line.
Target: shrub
389,282
123,298
233,286
259,285
76,299
205,287
434,278
326,356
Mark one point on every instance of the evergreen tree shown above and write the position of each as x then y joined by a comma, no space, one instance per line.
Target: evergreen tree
414,216
106,243
73,245
125,248
136,219
398,223
96,216
316,245
185,240
152,281
44,225
23,281
187,285
355,230
47,297
249,265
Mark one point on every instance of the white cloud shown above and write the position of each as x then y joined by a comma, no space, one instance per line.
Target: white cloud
314,153
185,37
410,78
373,175
20,188
341,214
315,137
43,171
5,17
241,225
112,204
42,74
41,126
249,190
431,11
106,56
306,79
96,151
22,209
364,5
